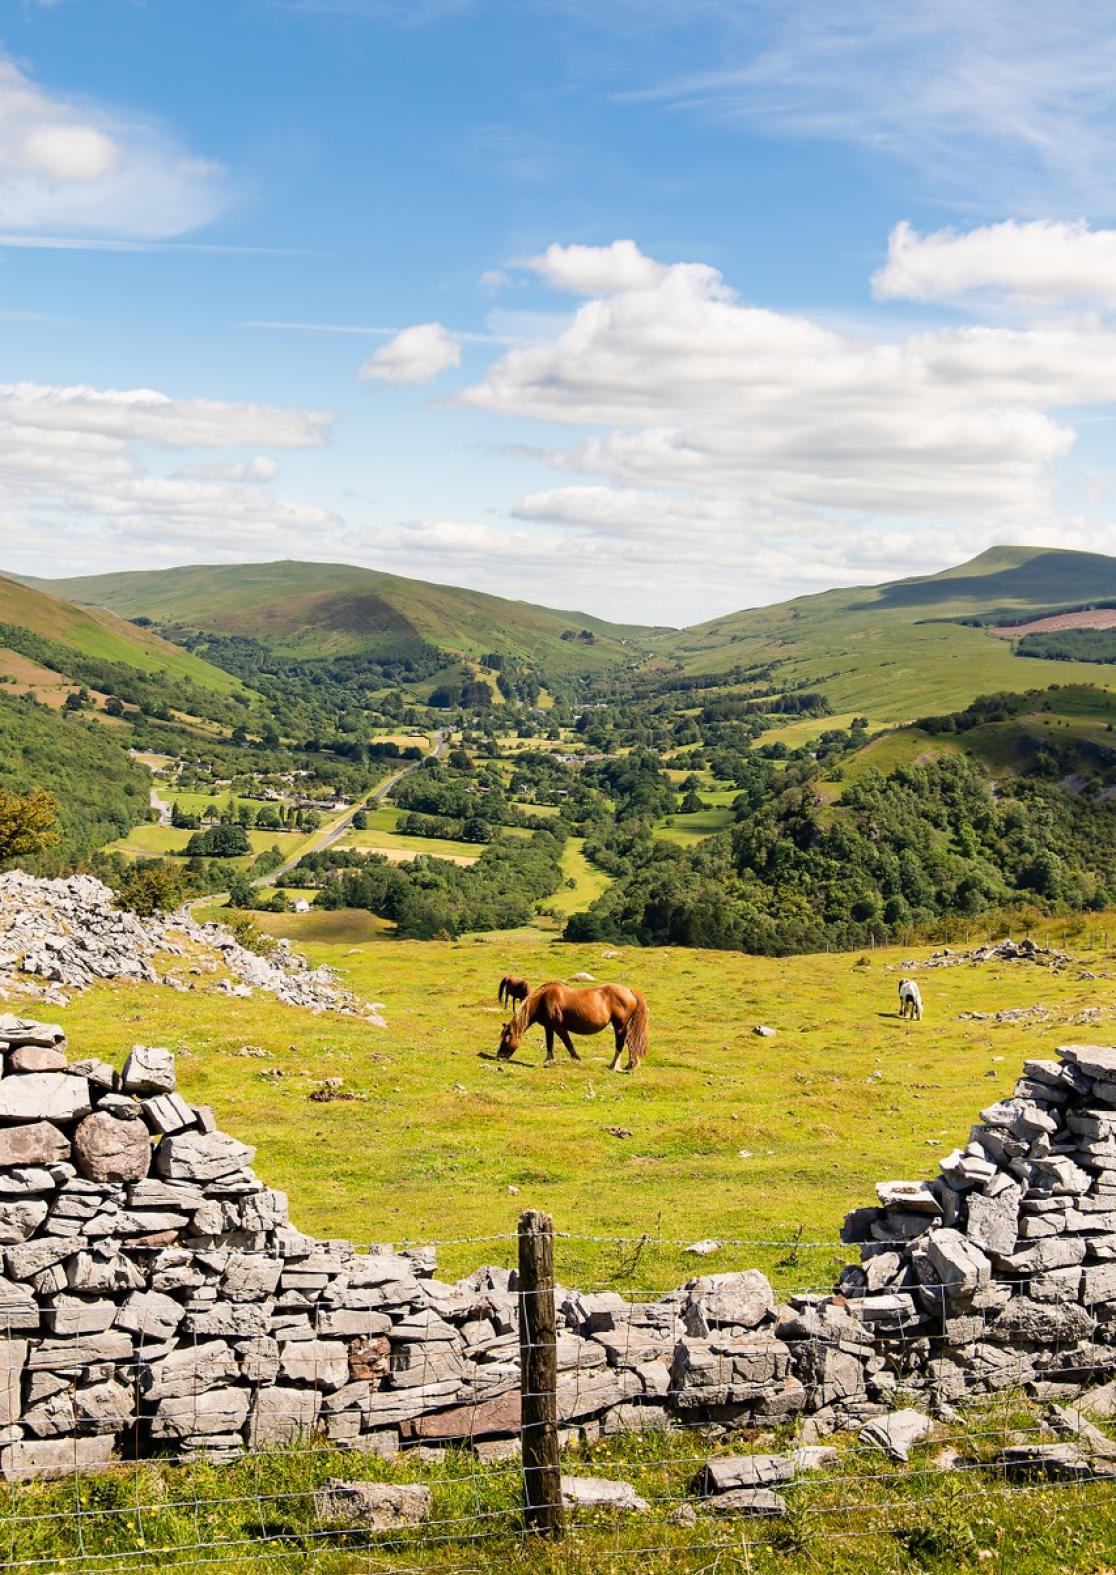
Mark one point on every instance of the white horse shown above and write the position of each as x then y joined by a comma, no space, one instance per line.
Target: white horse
910,999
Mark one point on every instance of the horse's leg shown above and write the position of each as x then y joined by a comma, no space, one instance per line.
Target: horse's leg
621,1031
549,1043
565,1038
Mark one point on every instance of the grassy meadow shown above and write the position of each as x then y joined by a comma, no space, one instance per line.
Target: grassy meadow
721,1133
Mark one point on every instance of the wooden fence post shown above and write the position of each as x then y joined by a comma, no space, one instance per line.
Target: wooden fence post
538,1368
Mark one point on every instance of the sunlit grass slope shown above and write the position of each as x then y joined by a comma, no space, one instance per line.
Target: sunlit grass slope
880,650
721,1133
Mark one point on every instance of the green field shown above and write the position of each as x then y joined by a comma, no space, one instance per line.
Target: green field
732,1136
381,836
146,842
685,830
589,882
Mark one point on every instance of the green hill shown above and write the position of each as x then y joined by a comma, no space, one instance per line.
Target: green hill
102,636
900,650
325,609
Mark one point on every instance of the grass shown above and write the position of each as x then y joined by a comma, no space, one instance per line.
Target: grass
589,882
861,1513
732,1136
149,841
382,837
688,829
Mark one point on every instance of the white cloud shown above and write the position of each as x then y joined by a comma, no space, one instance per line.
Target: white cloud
596,270
74,466
262,468
416,355
1040,262
142,415
90,168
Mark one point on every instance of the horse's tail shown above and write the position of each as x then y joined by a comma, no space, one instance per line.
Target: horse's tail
503,994
637,1031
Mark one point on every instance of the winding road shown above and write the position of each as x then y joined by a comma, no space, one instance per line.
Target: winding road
337,828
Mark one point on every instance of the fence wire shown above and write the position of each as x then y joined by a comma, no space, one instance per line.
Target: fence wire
273,1507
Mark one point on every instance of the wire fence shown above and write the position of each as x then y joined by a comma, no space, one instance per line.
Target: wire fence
667,1427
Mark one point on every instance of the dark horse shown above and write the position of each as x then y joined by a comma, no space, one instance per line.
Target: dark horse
563,1011
513,989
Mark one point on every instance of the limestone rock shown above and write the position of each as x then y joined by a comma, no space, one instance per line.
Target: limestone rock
601,1493
108,1149
282,1416
896,1433
377,1506
35,1058
200,1156
44,1096
34,1143
148,1070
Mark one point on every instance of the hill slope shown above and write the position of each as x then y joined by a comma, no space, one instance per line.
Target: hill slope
322,609
103,636
891,650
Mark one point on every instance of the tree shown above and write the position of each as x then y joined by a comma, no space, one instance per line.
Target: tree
114,706
152,886
360,820
28,823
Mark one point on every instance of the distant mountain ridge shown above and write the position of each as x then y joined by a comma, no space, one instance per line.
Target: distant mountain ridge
894,650
322,609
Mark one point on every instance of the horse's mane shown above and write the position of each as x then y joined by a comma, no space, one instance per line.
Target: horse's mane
521,1019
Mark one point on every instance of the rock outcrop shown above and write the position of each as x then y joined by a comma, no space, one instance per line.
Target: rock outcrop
62,935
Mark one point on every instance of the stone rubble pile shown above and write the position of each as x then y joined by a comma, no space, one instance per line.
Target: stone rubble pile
156,1298
59,935
996,951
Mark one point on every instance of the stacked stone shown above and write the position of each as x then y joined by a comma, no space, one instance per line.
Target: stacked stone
155,1297
1003,1271
68,933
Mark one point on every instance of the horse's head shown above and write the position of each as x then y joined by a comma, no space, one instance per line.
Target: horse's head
509,1041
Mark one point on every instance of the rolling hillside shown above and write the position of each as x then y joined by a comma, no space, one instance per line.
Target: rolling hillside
103,636
324,609
892,650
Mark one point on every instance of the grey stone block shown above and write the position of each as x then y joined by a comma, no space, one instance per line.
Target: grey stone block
148,1070
44,1096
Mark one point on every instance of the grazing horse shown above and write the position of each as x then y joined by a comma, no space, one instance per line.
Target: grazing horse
563,1011
910,1000
513,989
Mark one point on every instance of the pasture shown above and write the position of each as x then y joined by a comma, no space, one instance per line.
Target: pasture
722,1133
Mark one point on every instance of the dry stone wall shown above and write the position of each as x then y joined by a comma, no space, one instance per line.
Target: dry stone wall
156,1299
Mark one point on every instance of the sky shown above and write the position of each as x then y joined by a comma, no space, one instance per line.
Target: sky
651,308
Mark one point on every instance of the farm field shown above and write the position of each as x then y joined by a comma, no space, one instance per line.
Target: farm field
382,837
147,842
720,1134
685,830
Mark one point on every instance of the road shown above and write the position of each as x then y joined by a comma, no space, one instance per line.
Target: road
337,828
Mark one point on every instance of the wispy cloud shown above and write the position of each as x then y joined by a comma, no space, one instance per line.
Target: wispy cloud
91,243
373,331
1011,102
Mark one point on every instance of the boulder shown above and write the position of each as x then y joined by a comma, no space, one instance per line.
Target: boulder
376,1506
896,1433
282,1416
743,1298
200,1156
108,1149
35,1058
601,1493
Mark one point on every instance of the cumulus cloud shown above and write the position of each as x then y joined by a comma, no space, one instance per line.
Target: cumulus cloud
76,461
416,355
260,469
70,166
683,386
1039,262
596,270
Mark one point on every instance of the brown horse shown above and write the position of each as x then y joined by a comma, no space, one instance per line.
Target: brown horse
513,989
563,1011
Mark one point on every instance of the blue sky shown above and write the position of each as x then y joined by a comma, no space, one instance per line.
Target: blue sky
656,309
